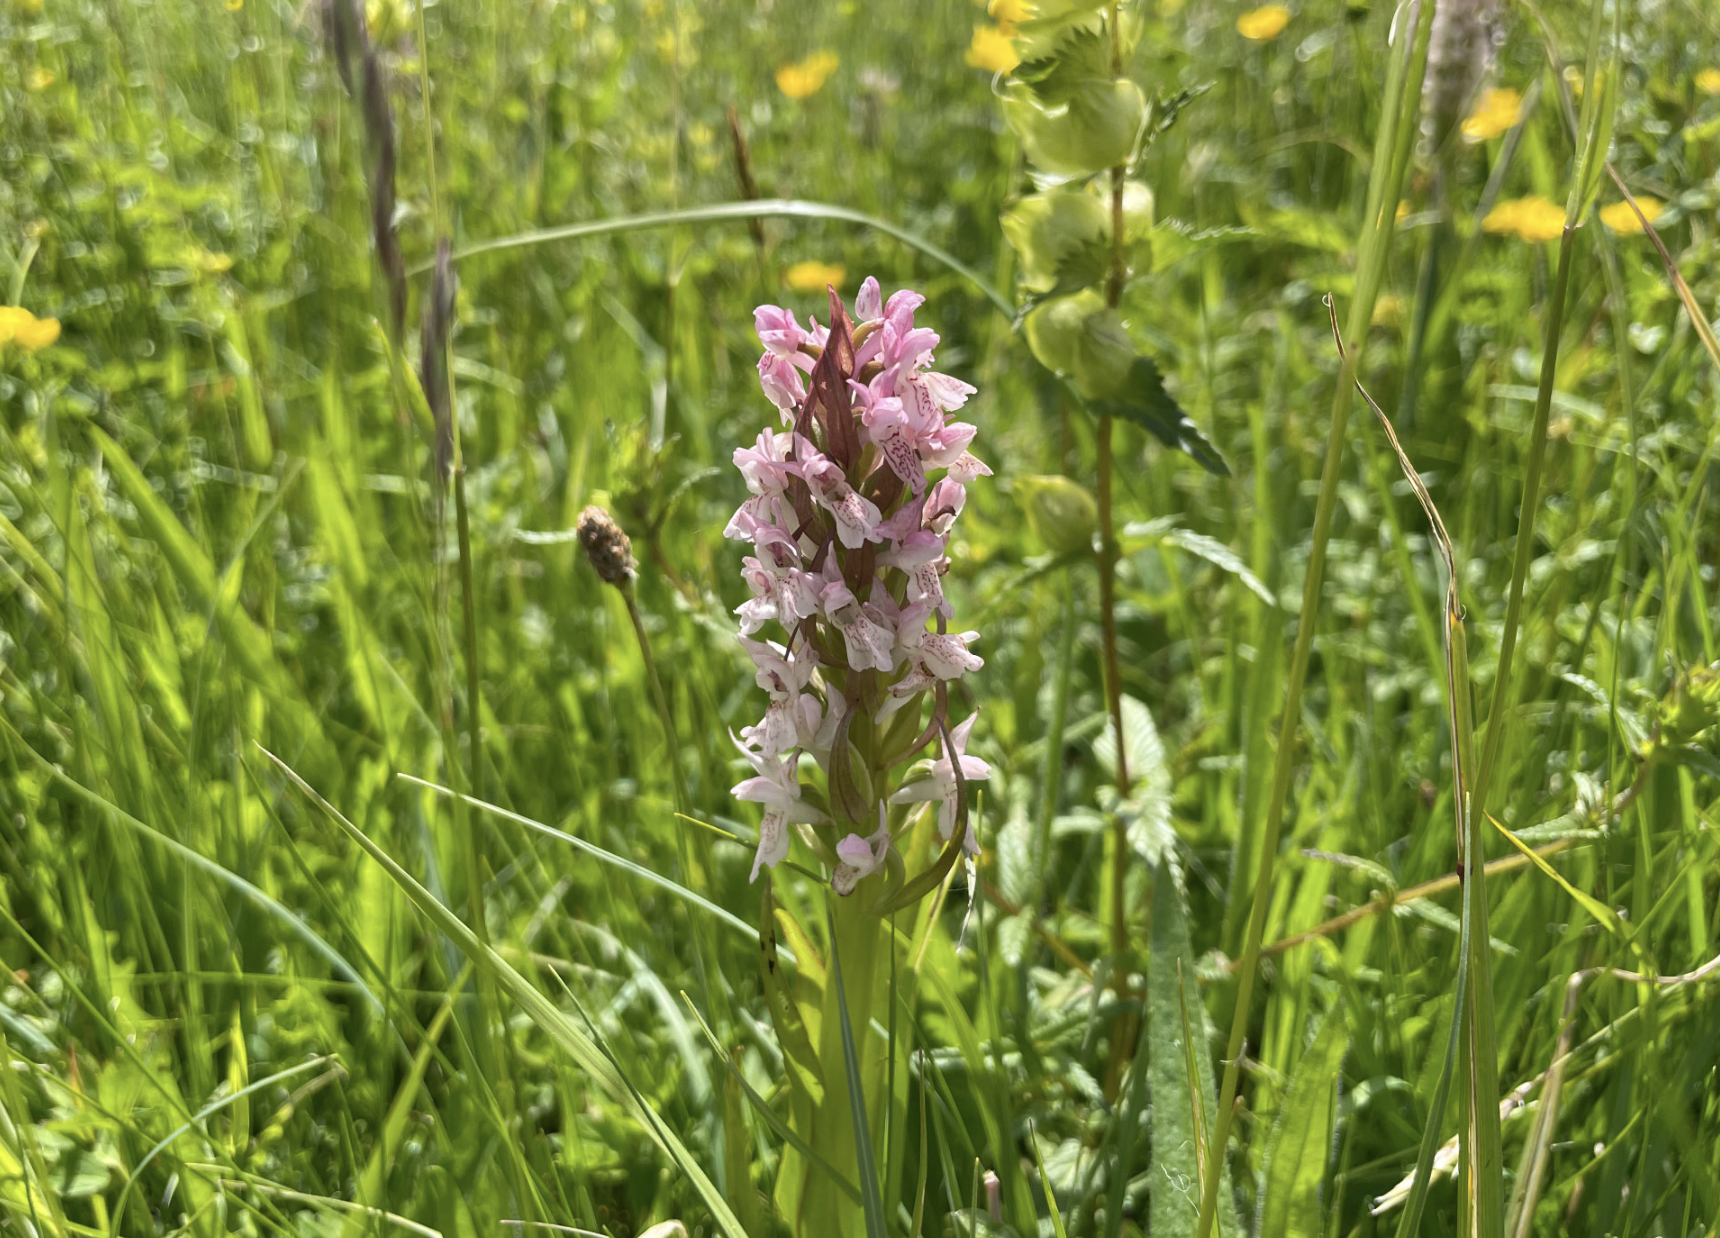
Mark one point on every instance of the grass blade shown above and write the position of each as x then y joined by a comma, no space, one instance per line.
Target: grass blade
1385,186
1302,1136
197,1119
231,879
1057,1227
596,853
726,212
769,1114
1604,915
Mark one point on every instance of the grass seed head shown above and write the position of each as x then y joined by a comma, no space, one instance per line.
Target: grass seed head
607,547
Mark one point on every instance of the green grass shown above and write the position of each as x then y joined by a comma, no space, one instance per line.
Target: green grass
220,540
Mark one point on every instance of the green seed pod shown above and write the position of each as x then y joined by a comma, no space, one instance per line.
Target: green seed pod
1061,512
1082,339
1095,129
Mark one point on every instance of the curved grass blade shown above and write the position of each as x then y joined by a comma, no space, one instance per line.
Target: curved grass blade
1605,916
595,852
1472,1013
1057,1228
260,1184
557,1026
209,1110
726,212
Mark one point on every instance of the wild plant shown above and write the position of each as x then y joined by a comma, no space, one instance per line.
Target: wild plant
849,521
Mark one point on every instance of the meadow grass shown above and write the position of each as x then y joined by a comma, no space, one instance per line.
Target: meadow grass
367,864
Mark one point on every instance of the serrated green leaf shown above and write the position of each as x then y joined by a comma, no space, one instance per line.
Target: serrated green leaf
1144,401
1080,56
1174,1163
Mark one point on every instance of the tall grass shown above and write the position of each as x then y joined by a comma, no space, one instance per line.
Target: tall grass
511,974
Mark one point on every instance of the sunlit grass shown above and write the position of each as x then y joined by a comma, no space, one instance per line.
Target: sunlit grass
222,537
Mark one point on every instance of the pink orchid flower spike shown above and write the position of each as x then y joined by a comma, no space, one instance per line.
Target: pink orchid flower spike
849,520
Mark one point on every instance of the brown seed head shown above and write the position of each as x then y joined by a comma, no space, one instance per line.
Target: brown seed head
608,548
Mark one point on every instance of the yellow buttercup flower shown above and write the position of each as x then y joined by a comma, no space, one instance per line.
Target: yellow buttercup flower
36,334
1009,13
813,276
1498,110
1532,219
1620,218
992,49
1264,23
21,327
1708,81
805,77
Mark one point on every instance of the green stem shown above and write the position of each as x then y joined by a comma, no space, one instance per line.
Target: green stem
1122,1045
683,802
1385,185
469,620
1504,700
1050,776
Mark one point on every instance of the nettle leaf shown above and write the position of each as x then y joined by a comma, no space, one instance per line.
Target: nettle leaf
1064,238
1040,37
1092,129
1080,57
1144,401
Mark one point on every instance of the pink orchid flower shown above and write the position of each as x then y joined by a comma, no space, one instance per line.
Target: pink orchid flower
940,786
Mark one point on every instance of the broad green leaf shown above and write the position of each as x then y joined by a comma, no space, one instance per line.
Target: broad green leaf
1176,1182
1301,1139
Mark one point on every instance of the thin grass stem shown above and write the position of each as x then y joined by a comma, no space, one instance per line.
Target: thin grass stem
1385,184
